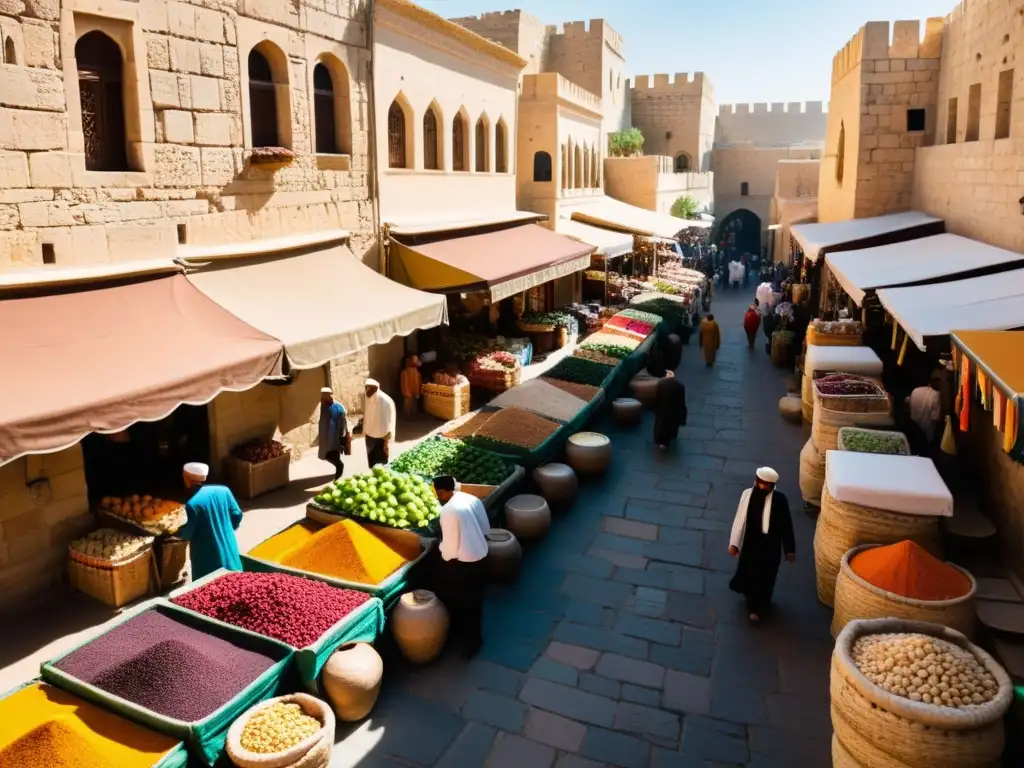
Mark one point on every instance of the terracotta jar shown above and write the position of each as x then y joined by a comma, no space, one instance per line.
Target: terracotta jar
420,625
645,389
504,556
557,482
627,411
351,680
589,453
527,516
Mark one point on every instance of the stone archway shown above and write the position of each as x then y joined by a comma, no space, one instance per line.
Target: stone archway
741,230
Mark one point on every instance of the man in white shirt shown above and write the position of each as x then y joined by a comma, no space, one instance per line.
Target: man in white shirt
925,409
463,570
379,419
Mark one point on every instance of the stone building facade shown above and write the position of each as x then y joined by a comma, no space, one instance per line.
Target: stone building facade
795,202
882,108
652,182
676,115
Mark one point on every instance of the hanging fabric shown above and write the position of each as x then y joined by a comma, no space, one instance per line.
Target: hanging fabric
998,409
983,389
965,396
1010,435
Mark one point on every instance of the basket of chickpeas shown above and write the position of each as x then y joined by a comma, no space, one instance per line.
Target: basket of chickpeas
294,731
915,694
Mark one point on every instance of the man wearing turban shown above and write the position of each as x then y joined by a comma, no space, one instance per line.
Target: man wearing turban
213,517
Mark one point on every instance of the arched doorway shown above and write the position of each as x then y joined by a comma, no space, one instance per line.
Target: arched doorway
740,231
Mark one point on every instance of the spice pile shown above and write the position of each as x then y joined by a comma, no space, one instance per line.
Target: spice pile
872,441
109,544
543,399
581,371
594,356
584,392
155,516
288,608
383,496
846,384
926,669
344,550
465,463
469,425
278,727
44,727
908,570
166,666
514,428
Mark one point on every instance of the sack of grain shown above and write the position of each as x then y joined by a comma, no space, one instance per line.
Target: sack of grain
312,752
812,474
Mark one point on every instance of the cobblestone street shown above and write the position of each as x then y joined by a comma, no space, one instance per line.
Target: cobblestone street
621,643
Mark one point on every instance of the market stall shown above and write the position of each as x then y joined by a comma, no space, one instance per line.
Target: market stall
819,360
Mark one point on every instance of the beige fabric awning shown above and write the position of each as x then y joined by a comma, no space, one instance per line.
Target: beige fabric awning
608,243
503,263
614,214
320,301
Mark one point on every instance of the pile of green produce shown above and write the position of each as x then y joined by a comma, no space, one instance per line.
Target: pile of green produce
465,463
383,496
464,347
872,441
644,317
557,319
663,287
618,351
580,371
672,312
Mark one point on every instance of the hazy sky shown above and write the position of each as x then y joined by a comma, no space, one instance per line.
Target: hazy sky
753,50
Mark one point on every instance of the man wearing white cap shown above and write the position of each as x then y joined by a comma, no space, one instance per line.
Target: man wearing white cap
213,518
334,438
761,532
378,423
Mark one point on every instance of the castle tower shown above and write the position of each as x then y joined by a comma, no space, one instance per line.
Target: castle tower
882,107
676,116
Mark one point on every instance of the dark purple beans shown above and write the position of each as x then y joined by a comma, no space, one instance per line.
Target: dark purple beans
166,666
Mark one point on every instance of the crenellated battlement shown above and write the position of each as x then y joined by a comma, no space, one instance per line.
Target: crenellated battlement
493,16
876,41
681,82
774,108
577,31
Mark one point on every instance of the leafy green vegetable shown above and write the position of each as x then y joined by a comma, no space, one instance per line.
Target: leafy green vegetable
442,456
644,317
612,350
872,441
581,371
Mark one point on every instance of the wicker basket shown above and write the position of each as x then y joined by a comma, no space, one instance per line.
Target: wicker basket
841,527
877,729
118,583
819,339
858,599
445,402
812,474
249,480
497,383
781,341
840,757
877,403
841,445
826,423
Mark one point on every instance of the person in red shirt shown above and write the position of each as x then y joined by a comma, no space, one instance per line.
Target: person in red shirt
751,322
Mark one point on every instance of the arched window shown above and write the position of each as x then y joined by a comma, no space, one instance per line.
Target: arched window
595,173
586,166
431,152
482,153
262,101
396,136
744,189
682,163
10,57
577,168
841,154
324,111
542,166
459,160
501,150
569,165
101,89
565,168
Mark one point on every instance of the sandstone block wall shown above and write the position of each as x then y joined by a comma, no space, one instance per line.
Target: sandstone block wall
187,124
676,115
650,182
776,123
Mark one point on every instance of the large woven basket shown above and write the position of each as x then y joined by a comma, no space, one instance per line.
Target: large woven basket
128,580
826,423
877,729
859,599
445,402
812,474
876,403
842,526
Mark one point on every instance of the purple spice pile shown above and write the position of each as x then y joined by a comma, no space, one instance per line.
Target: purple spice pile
166,666
291,609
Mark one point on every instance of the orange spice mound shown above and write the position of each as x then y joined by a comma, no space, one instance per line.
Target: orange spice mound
908,570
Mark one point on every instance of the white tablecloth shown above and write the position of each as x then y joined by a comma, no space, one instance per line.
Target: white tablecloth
907,484
861,360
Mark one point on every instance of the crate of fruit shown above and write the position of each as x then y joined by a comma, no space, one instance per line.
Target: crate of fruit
495,372
446,402
144,514
257,467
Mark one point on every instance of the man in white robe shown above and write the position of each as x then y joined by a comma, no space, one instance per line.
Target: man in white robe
379,420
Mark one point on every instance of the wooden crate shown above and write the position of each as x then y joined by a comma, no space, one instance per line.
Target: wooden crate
249,480
117,585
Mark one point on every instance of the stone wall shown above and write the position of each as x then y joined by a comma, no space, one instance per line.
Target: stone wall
676,116
516,30
592,55
649,182
975,185
187,126
776,123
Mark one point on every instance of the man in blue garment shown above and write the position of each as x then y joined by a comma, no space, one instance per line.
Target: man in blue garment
213,518
334,439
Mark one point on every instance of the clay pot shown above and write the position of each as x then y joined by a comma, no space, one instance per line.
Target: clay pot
791,408
527,516
557,482
420,626
627,411
645,389
351,680
504,556
589,453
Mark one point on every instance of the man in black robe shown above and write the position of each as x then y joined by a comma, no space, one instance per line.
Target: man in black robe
761,532
673,351
669,410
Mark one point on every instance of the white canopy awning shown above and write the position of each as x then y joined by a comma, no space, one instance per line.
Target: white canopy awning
609,243
914,261
824,237
614,214
990,303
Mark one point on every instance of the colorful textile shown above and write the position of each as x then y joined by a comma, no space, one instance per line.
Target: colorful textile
1010,435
